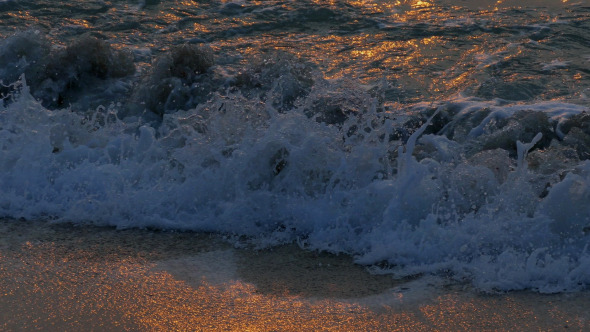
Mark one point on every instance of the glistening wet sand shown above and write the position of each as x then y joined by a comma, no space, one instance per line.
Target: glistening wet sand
62,277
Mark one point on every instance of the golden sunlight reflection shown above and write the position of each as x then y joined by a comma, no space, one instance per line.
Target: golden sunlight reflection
421,4
423,49
419,47
62,278
78,22
413,60
22,15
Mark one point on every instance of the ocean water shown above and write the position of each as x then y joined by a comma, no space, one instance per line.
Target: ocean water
421,137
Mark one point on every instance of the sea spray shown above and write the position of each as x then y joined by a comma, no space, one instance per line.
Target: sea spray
271,126
278,177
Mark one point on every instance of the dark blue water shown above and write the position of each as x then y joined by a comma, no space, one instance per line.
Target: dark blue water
445,137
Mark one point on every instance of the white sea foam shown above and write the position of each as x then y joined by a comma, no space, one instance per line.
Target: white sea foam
555,64
489,186
278,177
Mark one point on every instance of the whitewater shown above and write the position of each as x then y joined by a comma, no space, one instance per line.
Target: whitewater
419,137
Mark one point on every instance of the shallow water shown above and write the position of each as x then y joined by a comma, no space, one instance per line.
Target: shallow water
67,277
445,137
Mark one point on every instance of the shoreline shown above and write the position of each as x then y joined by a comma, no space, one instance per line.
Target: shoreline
67,277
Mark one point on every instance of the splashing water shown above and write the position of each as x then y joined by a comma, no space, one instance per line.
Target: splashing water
486,180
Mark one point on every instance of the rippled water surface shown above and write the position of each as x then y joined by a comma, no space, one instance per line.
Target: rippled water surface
421,49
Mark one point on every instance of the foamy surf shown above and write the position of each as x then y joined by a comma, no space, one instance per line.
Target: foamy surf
485,207
485,179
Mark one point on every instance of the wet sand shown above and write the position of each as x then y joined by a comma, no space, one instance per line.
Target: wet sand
63,277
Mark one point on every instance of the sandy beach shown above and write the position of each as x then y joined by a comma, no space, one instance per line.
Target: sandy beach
63,277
